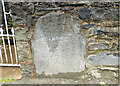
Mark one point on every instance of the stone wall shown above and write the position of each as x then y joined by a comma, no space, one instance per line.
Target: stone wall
24,52
98,23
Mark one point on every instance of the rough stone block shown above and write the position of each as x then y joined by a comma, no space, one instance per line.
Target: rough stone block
58,45
103,59
84,13
100,14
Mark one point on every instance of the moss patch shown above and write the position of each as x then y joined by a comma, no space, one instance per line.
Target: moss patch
6,80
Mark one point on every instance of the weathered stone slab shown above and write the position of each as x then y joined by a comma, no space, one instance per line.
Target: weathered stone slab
58,45
103,59
100,14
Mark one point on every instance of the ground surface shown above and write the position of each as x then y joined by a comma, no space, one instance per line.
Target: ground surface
60,81
10,72
69,78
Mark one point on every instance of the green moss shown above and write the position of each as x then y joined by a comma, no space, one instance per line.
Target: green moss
6,80
10,24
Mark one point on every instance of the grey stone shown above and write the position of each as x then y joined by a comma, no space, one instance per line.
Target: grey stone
91,32
29,22
98,46
26,70
34,18
94,30
30,8
95,74
22,49
84,13
102,5
40,13
27,7
20,34
91,40
16,10
97,13
113,45
17,20
100,32
100,14
103,59
105,38
87,26
115,74
118,48
115,34
30,33
109,31
58,45
114,54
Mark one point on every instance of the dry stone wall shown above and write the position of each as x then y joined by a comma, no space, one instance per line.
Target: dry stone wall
98,24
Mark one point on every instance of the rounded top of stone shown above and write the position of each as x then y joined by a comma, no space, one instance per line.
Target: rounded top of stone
51,13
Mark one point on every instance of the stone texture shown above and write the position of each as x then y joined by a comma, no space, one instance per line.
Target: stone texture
113,45
110,31
98,46
106,31
17,20
94,30
84,13
29,23
103,59
20,34
87,26
26,70
105,38
95,74
22,49
104,4
19,9
58,45
118,48
16,10
22,44
100,14
26,66
115,34
30,8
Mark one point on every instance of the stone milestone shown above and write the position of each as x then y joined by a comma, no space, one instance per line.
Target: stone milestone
58,45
